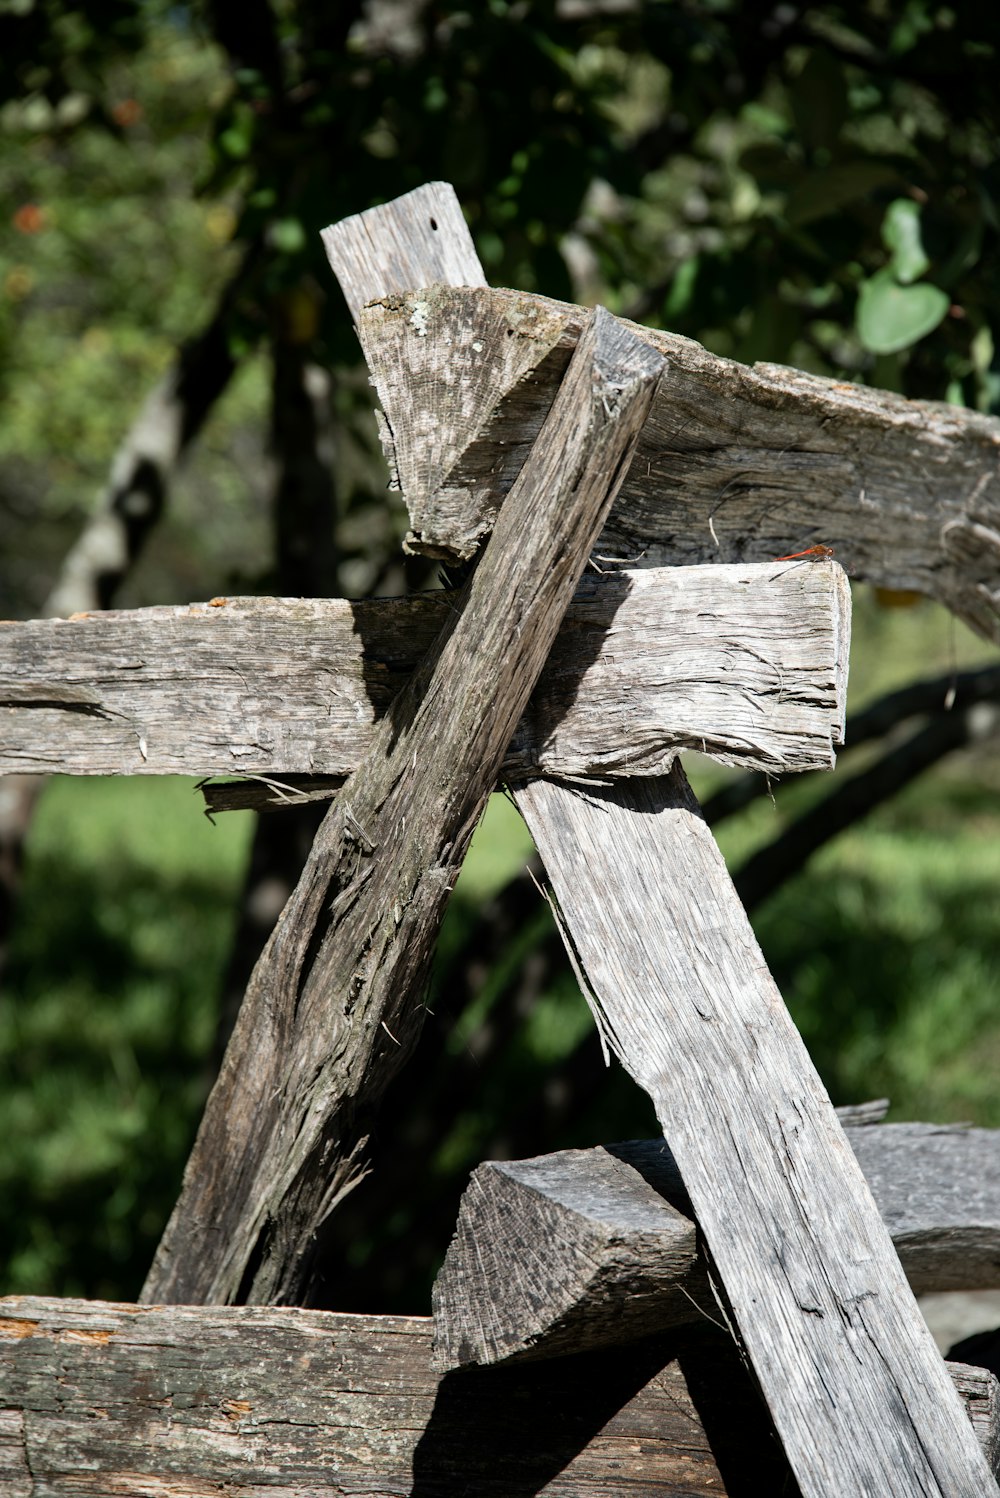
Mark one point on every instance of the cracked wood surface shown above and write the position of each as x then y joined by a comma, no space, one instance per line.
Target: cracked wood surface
335,1003
681,993
630,1262
735,463
747,664
100,1400
858,1391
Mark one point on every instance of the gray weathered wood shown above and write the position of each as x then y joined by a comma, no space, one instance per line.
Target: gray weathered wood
625,1258
981,1397
856,1386
938,1189
679,987
99,1400
335,1002
423,234
735,464
747,664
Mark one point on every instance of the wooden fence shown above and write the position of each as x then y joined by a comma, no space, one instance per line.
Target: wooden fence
563,436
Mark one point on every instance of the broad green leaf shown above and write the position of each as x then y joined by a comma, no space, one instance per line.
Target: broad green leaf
891,317
901,235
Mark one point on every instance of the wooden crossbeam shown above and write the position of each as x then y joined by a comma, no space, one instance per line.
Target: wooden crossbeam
735,463
630,1261
747,664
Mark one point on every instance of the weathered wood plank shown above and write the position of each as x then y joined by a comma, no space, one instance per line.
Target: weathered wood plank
187,1402
422,233
335,1002
857,1388
628,1260
679,987
735,463
745,663
938,1190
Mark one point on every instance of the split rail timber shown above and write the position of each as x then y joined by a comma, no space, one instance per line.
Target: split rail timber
549,426
654,1397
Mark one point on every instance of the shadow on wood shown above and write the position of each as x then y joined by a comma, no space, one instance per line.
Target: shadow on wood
676,1414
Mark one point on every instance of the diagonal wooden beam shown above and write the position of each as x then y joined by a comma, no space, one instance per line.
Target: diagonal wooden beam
335,1003
682,994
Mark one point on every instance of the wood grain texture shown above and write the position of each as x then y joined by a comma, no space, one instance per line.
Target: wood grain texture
679,987
586,1248
747,664
335,1003
422,234
735,463
122,1401
938,1190
826,1343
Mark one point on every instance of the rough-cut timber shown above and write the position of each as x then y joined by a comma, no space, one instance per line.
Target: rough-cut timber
735,464
747,664
423,233
121,1401
336,1001
857,1388
938,1190
681,992
586,1248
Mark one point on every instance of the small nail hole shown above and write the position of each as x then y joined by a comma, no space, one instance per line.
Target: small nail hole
434,223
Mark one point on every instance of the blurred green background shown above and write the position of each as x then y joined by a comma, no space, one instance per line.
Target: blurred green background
772,182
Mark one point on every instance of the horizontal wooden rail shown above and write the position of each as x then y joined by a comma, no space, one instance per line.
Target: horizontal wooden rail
584,1248
748,664
99,1400
735,464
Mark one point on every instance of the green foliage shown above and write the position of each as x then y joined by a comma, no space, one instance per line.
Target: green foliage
885,951
106,1024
